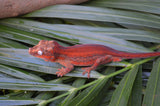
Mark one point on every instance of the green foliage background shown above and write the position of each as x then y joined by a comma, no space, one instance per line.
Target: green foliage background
126,25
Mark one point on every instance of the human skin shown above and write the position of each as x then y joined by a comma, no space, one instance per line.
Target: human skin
12,8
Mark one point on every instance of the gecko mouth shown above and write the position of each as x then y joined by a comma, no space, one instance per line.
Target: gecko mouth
30,51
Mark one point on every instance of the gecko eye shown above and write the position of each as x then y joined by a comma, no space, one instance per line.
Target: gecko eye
40,52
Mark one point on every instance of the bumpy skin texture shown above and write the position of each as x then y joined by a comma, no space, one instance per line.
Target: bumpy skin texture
91,55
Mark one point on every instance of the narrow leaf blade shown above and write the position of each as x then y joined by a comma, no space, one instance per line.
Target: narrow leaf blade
98,14
152,94
121,94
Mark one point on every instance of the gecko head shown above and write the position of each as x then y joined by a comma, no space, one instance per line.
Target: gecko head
44,49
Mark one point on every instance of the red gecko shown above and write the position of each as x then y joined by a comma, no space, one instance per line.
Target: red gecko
91,55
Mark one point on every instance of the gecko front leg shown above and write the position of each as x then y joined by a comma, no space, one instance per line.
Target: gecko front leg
68,67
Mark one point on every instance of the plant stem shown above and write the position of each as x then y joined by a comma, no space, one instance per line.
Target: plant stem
43,103
93,82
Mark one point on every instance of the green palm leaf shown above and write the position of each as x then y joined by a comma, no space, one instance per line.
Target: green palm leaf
141,5
98,14
152,90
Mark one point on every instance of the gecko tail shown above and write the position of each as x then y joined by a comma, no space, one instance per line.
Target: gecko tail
138,55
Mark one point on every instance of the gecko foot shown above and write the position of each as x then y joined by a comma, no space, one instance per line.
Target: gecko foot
87,70
61,72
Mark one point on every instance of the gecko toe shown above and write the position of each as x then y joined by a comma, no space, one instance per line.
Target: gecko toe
87,71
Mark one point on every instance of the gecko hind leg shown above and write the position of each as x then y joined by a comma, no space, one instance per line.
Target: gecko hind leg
99,61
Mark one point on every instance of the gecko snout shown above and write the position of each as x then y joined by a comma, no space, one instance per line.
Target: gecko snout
30,50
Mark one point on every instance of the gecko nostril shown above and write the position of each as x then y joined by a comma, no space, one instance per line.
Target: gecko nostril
29,50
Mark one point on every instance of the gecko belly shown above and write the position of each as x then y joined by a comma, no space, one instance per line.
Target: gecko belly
84,61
